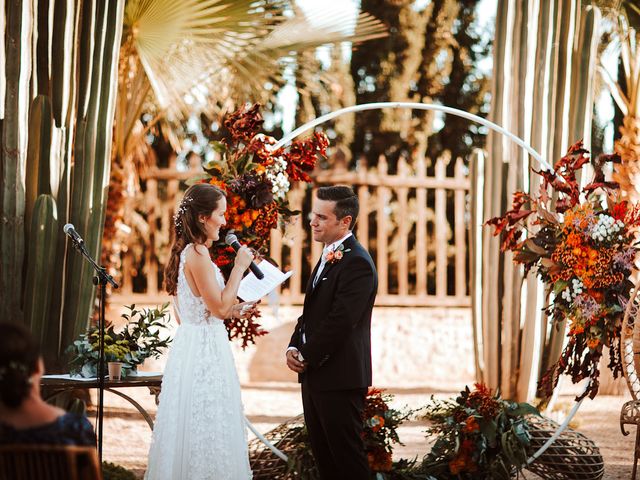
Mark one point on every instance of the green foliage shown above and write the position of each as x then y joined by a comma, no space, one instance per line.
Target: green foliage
479,436
111,471
302,465
138,340
466,89
380,424
431,56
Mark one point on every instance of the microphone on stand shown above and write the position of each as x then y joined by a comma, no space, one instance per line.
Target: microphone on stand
232,240
70,231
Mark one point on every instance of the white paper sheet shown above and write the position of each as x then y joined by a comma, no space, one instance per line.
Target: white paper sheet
251,289
67,376
78,378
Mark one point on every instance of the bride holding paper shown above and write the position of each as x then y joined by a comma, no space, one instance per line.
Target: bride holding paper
200,431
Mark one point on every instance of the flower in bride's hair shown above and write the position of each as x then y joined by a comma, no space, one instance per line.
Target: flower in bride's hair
180,212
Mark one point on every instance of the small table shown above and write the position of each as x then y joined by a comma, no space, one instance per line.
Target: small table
59,384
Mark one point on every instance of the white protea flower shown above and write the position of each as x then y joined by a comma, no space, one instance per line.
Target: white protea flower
277,175
606,229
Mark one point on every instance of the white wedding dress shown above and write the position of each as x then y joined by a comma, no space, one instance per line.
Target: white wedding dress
199,431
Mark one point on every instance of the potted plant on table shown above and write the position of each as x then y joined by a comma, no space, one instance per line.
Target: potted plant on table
138,340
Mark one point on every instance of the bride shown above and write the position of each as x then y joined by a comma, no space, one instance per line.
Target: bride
199,431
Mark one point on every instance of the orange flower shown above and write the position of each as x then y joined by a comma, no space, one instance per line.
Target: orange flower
219,183
376,422
593,343
574,240
471,425
457,464
597,296
379,460
576,329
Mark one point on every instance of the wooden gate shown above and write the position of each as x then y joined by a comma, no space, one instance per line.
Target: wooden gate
415,226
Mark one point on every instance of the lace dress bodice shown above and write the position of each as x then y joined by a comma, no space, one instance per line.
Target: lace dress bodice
191,309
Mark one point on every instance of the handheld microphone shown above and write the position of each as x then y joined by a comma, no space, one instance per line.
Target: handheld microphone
70,231
233,242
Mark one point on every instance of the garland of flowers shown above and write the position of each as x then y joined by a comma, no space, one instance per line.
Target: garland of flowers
380,423
584,250
479,436
256,178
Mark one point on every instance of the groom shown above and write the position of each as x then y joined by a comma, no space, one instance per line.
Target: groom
330,347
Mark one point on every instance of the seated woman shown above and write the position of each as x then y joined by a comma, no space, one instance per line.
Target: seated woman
24,416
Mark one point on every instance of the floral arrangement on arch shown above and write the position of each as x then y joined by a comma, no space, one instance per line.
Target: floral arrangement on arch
256,178
583,247
479,436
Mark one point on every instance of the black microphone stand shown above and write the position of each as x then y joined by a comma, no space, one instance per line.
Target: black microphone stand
101,279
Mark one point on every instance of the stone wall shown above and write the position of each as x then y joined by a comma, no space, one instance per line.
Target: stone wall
412,348
425,348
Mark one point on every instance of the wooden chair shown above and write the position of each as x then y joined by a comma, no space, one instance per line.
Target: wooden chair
48,462
630,415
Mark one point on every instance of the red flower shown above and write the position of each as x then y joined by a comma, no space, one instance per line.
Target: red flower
380,460
619,210
244,123
302,156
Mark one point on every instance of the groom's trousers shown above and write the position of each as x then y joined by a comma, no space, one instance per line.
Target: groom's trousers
334,423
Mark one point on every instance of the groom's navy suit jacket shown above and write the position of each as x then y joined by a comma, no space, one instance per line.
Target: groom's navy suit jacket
336,321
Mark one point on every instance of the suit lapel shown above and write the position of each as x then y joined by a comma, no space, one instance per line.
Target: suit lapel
327,267
313,275
349,243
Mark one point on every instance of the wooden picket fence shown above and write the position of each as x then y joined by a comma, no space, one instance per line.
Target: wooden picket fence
415,226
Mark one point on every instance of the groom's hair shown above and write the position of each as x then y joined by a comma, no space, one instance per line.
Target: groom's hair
346,201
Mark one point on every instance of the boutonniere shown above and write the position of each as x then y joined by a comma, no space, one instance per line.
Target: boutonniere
334,256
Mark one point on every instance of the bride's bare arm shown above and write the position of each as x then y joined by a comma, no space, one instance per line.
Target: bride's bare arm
218,301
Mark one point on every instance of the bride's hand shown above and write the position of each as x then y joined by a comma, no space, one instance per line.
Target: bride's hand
244,310
244,257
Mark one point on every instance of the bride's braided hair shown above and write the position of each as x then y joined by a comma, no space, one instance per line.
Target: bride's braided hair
199,199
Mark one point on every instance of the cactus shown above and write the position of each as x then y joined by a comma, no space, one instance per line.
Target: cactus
38,171
75,122
13,201
41,261
90,176
558,55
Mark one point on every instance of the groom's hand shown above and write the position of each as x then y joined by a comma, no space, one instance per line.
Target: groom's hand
293,363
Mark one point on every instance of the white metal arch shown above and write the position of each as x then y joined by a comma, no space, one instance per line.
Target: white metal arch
451,111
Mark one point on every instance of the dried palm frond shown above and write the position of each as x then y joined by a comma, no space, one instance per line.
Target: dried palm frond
206,53
171,37
257,66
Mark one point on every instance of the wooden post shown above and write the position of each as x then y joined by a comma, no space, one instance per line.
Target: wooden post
363,200
421,230
151,265
441,228
403,230
382,224
460,231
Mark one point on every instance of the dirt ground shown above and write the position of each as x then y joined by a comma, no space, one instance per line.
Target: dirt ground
127,435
